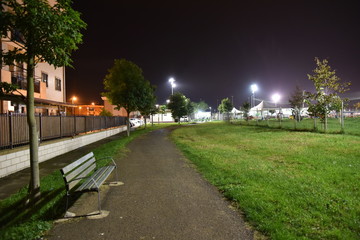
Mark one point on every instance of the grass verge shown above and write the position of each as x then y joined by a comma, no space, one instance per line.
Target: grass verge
351,125
20,222
290,185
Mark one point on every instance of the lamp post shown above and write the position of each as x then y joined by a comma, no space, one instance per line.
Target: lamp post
173,85
254,88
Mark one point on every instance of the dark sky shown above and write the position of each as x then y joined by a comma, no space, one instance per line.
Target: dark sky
216,49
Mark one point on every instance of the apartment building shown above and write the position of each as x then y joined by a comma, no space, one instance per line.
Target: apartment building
49,92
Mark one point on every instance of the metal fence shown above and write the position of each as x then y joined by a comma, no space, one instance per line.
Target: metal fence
14,128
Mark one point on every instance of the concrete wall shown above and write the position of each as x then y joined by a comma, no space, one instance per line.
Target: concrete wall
16,160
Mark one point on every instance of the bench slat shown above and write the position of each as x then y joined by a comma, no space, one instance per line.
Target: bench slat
80,171
73,165
86,172
99,177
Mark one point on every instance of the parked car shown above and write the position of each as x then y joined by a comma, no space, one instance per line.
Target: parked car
134,122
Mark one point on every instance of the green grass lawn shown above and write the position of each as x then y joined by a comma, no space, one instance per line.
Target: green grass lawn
351,125
19,222
290,185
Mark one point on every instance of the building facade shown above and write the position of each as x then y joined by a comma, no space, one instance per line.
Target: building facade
49,82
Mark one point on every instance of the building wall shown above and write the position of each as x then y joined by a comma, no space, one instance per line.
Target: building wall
16,160
49,92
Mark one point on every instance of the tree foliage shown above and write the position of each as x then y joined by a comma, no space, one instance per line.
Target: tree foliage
147,105
178,106
42,33
246,108
328,86
127,88
200,106
225,106
296,101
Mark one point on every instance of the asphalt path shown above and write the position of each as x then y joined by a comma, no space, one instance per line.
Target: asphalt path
163,197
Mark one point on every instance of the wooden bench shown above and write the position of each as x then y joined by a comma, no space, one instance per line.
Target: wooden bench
83,176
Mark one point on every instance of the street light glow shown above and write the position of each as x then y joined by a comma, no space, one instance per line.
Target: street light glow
276,97
173,85
254,88
171,80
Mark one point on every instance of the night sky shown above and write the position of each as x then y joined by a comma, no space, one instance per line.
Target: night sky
216,49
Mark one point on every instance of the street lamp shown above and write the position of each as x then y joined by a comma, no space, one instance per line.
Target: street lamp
276,97
254,88
173,85
73,99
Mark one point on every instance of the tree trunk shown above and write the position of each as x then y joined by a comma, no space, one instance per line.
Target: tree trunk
34,185
145,121
128,124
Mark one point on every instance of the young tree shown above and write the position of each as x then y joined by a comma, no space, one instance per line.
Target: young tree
246,107
49,34
178,106
327,86
125,85
225,107
296,102
148,100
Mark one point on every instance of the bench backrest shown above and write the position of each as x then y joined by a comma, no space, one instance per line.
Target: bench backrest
73,172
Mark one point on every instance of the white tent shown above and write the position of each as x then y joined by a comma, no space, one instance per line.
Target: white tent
235,111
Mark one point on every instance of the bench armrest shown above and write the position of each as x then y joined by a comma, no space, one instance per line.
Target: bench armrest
106,158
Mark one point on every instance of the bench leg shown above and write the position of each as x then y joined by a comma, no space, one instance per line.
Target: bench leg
99,203
67,203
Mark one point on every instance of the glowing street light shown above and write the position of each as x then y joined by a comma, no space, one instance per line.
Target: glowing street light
173,85
73,99
168,101
254,88
276,97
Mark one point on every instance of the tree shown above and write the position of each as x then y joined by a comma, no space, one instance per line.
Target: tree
246,107
178,106
327,86
49,34
200,106
148,100
296,102
125,85
225,106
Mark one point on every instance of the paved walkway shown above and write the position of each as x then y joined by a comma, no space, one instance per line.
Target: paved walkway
163,198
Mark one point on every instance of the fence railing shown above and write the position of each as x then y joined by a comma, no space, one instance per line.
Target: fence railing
14,128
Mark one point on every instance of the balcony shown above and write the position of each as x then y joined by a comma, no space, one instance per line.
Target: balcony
20,80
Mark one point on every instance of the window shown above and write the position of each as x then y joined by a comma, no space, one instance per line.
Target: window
44,78
57,84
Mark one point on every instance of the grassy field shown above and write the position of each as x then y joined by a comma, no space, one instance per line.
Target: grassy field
19,222
290,185
351,125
